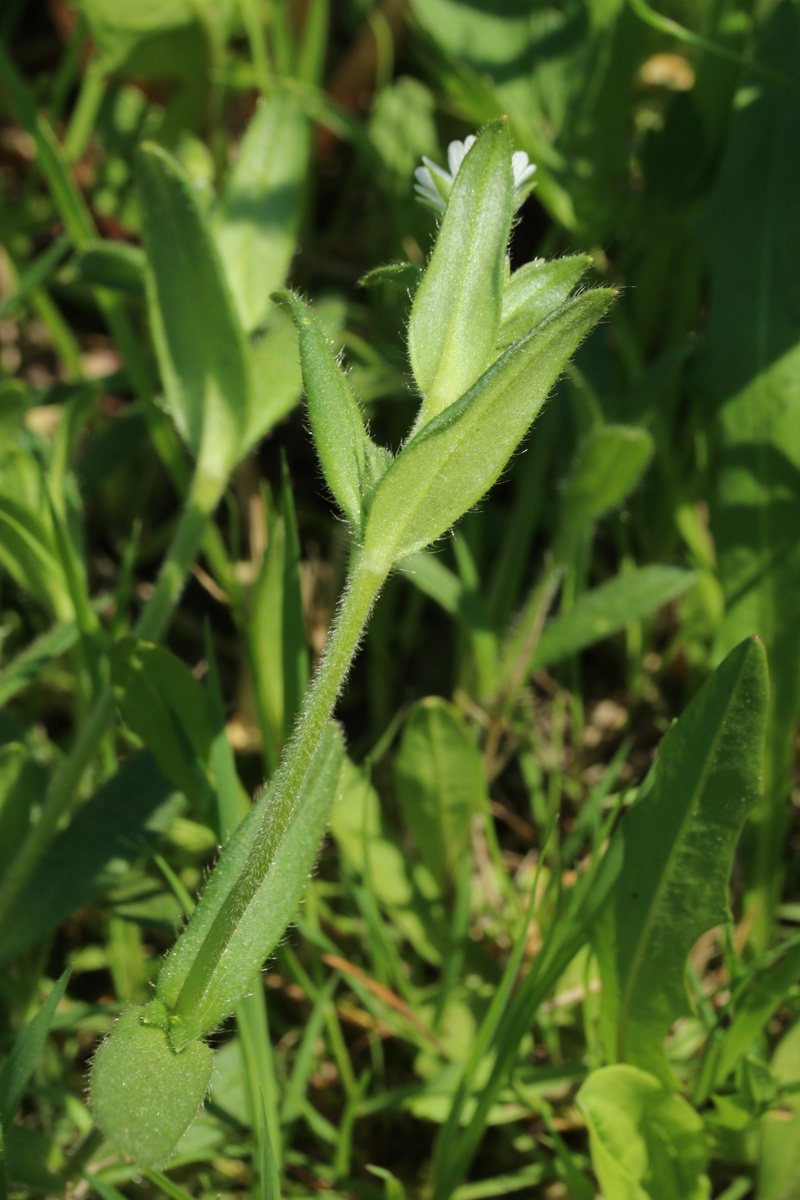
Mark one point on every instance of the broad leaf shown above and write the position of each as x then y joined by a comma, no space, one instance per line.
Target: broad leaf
260,209
607,468
779,1165
440,786
165,705
457,306
646,1142
608,608
454,460
105,838
677,845
143,1094
201,346
752,368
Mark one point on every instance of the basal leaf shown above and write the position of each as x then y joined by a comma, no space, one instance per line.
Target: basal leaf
260,209
608,608
201,346
607,468
646,1142
752,369
145,1095
677,846
440,786
454,460
457,306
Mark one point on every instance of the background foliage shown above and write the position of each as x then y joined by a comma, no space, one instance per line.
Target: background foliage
500,981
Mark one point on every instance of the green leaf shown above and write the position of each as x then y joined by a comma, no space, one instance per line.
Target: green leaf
752,368
535,290
260,209
392,1187
18,1067
646,1143
754,1003
120,30
456,311
261,924
22,785
27,1153
608,608
201,346
608,467
107,835
277,382
440,785
454,460
145,1095
366,845
165,705
117,266
277,630
677,845
779,1161
351,461
403,275
28,554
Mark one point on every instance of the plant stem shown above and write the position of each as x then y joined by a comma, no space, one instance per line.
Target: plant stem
362,588
201,503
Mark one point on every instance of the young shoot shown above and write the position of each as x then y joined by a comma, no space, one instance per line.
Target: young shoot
480,395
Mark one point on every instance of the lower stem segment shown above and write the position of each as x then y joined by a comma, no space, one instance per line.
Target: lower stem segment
359,596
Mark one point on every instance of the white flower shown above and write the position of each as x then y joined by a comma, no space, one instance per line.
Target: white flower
434,184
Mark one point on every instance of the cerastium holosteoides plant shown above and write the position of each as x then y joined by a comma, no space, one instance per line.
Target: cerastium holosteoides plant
480,394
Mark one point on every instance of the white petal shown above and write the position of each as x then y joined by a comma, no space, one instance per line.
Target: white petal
522,167
455,157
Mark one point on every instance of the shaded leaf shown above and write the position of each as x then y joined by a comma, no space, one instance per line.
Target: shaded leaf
440,785
97,849
260,209
677,844
201,346
608,608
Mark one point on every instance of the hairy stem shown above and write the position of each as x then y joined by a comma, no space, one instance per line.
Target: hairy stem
362,588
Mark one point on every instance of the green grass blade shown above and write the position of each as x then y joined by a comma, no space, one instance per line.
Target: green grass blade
18,1067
